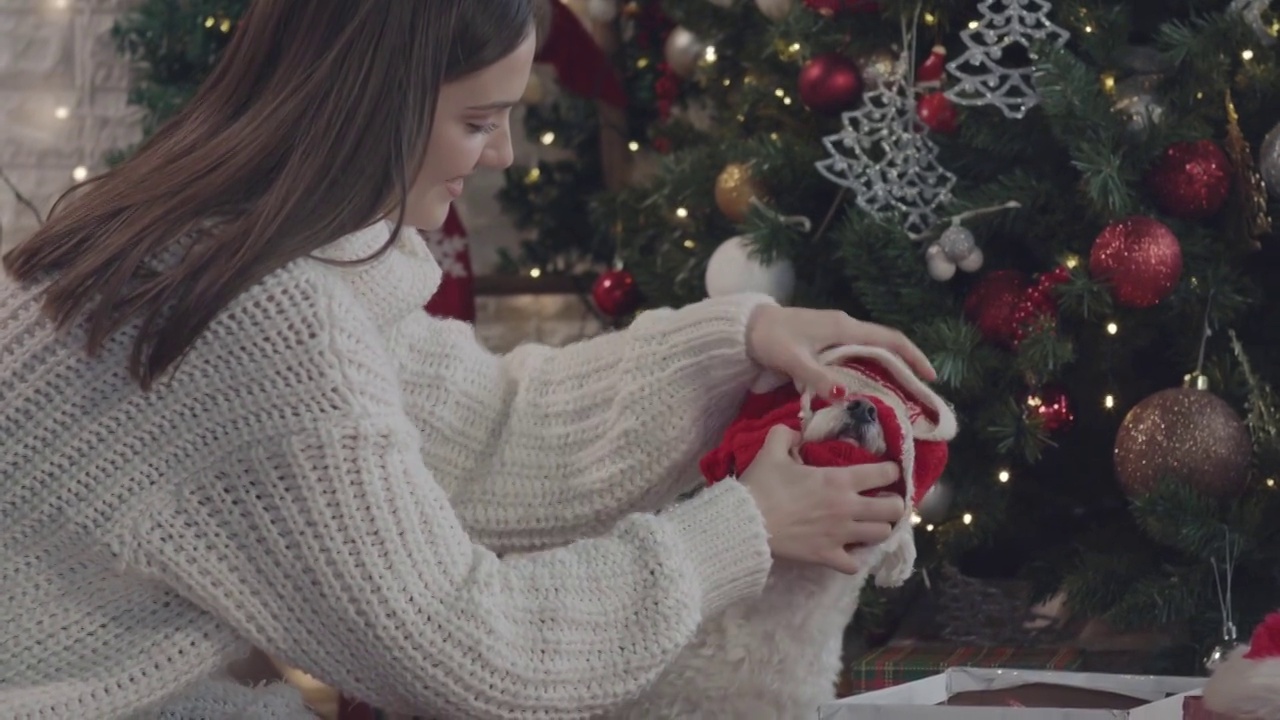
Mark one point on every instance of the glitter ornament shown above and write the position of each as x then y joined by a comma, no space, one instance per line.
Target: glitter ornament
1051,408
1140,258
957,242
1269,161
879,67
1187,436
735,189
990,305
775,10
937,112
1191,180
615,293
891,166
682,51
732,269
830,83
1035,311
981,79
954,249
1251,193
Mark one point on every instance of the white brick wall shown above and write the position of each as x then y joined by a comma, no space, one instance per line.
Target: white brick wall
63,105
63,94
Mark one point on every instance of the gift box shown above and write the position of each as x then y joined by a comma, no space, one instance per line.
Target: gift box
897,664
998,694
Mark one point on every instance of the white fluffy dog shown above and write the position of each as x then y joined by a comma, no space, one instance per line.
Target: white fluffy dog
778,656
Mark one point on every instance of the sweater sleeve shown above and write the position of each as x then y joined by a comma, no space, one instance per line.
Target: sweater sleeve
335,551
545,445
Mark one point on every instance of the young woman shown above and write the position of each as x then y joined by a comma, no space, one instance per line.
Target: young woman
226,421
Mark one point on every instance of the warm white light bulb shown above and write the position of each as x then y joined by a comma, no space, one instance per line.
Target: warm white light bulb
80,173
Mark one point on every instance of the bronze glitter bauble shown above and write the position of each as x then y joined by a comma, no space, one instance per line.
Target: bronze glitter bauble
734,189
1185,435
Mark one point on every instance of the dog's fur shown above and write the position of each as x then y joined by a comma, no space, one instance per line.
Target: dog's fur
778,655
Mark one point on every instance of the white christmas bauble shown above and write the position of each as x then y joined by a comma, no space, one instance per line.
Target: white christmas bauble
1269,161
682,51
775,10
973,262
602,10
732,270
938,264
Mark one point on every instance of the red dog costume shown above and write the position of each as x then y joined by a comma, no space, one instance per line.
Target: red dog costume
917,425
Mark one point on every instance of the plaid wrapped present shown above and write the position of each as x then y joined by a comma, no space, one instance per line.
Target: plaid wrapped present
897,664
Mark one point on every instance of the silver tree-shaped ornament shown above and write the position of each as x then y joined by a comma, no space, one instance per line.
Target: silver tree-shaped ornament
884,156
981,78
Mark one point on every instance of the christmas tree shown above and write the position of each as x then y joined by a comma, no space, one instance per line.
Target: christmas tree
608,92
174,47
1066,205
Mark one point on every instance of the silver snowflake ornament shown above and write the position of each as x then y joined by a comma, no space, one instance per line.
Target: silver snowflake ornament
884,156
981,78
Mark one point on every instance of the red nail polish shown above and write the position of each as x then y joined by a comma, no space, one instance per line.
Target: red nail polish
838,392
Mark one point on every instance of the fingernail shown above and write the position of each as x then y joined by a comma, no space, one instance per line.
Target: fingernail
838,392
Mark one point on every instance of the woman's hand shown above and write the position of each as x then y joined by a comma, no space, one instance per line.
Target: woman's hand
813,515
789,340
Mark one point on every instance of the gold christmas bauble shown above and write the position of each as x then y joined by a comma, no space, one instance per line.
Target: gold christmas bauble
735,187
1185,435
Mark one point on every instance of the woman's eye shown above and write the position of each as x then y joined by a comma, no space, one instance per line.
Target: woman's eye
483,129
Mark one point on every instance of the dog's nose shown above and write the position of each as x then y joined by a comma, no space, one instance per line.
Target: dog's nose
862,411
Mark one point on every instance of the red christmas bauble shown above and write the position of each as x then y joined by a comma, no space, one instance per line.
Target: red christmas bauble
1141,259
937,112
990,305
1035,310
616,293
1051,405
830,83
1191,180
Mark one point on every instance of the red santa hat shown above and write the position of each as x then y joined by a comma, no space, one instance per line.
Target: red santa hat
1247,685
916,421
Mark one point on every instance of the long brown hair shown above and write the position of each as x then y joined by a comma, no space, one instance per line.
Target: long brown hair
312,125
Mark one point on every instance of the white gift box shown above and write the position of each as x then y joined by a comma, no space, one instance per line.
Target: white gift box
919,700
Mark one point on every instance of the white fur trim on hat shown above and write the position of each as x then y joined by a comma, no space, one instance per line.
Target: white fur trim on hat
1245,689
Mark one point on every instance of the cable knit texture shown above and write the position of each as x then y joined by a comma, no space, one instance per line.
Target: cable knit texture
366,494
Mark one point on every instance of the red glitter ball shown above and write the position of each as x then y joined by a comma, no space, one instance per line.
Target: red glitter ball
1141,259
991,305
1191,180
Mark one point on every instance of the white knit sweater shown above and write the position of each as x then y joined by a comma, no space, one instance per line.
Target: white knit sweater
334,477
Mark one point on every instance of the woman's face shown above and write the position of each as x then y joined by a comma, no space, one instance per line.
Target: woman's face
471,130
